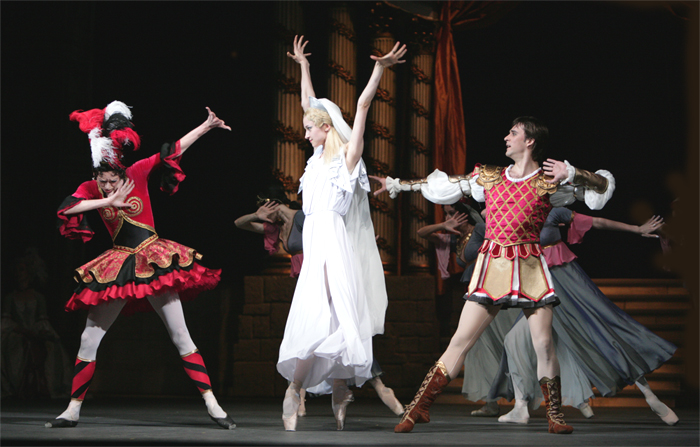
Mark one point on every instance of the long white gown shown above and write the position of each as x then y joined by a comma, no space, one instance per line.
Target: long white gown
330,317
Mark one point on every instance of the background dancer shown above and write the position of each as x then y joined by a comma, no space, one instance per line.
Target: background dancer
280,221
486,353
328,335
34,362
142,272
510,269
450,237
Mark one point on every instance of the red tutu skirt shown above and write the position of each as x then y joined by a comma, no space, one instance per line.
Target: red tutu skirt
157,266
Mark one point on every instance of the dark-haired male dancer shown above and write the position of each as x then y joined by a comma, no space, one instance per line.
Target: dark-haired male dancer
510,269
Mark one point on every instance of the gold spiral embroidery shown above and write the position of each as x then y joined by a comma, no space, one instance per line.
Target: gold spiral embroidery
109,213
135,206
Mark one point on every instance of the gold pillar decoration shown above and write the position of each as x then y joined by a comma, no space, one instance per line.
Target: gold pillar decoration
342,61
289,146
419,142
380,155
289,151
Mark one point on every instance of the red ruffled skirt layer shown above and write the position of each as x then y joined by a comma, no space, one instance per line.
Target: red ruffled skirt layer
162,267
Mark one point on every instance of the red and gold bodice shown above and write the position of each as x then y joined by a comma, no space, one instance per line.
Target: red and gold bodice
131,227
516,208
128,226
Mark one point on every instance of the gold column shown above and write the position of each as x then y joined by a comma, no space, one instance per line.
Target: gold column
342,62
289,147
289,156
419,146
419,159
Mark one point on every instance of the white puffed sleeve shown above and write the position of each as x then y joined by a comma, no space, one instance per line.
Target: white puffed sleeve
438,188
568,192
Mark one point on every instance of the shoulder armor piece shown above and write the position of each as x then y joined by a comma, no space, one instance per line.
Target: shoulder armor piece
489,175
542,186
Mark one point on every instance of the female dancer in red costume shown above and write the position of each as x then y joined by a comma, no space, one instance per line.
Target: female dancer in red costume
141,272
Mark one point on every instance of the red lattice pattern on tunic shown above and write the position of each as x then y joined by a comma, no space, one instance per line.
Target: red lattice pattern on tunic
516,213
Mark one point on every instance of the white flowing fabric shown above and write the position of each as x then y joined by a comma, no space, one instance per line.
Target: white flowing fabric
329,317
361,231
358,223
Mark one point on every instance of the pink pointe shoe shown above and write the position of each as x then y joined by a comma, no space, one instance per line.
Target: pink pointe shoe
342,396
290,406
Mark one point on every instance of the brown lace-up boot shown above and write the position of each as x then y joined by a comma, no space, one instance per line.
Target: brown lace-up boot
418,410
551,388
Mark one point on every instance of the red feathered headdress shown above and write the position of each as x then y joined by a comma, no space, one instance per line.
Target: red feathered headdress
109,129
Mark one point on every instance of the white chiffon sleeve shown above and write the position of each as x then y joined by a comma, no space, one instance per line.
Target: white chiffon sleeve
597,201
568,192
438,187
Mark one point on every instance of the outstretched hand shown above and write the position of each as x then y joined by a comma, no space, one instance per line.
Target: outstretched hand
392,57
555,169
455,221
119,195
381,181
651,225
265,211
299,56
213,121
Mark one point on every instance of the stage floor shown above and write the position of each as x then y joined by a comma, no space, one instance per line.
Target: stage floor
171,421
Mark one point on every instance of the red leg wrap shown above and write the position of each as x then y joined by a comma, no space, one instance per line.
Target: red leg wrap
194,367
82,378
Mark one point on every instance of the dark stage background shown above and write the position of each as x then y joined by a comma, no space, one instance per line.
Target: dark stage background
609,78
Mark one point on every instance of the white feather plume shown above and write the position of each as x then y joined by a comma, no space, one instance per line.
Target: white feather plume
101,147
117,107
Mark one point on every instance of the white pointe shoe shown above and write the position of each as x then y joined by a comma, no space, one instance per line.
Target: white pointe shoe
290,406
301,412
342,396
518,415
661,409
586,410
488,410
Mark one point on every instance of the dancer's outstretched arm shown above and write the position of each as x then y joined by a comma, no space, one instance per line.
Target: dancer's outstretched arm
307,88
116,198
449,226
210,123
254,221
357,144
645,230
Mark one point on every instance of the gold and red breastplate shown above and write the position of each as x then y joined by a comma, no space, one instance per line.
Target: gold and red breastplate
516,210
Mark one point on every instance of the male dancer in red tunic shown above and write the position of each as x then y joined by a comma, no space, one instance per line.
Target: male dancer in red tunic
510,269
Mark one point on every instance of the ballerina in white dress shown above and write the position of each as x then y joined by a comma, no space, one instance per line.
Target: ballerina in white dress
328,336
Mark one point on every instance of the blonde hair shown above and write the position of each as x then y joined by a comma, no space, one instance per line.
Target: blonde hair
334,144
